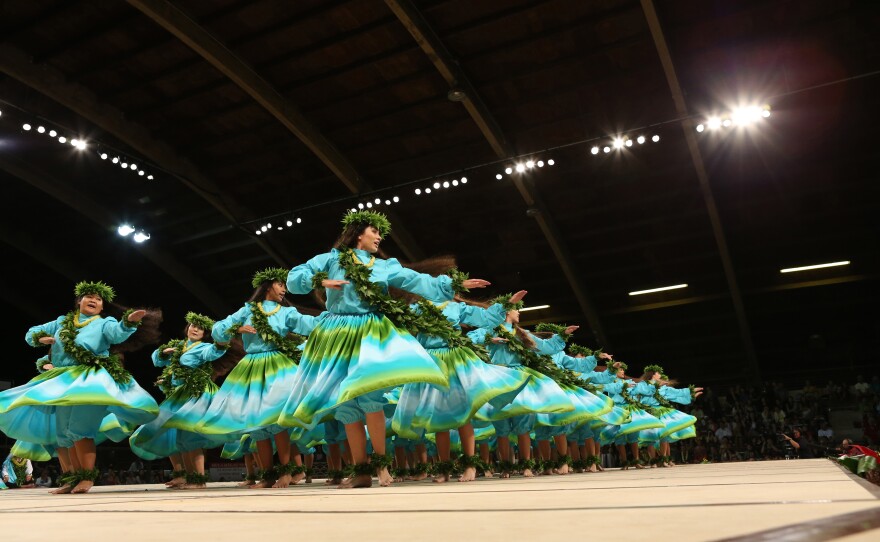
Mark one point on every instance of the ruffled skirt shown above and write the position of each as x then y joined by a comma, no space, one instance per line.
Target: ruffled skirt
67,404
541,395
349,356
160,438
472,383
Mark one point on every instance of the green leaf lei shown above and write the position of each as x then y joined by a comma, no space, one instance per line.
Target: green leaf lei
538,362
429,319
557,329
83,356
318,279
195,379
286,345
35,338
504,301
660,399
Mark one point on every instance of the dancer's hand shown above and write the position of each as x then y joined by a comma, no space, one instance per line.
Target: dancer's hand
247,329
332,284
48,367
616,365
167,351
47,340
498,340
571,329
604,355
475,283
137,316
517,297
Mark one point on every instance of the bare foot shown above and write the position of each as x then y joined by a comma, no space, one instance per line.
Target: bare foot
440,478
563,469
308,478
469,475
528,473
297,478
175,482
599,467
193,486
547,472
418,477
262,484
505,474
594,468
282,481
333,481
246,483
385,478
639,466
489,474
361,480
63,490
83,487
399,479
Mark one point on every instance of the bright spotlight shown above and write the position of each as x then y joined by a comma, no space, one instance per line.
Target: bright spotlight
26,127
700,127
369,205
81,145
436,186
520,168
134,166
103,156
725,123
594,150
125,230
62,139
41,129
445,184
124,165
618,143
268,224
360,205
150,177
530,164
395,199
140,237
258,232
419,191
115,159
141,173
454,182
765,113
713,123
655,138
551,162
464,180
427,191
387,202
52,133
540,163
629,143
606,149
377,201
508,170
289,223
640,139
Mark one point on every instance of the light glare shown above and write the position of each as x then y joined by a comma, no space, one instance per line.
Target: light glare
663,289
817,266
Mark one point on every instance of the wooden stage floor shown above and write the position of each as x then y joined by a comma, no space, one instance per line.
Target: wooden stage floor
772,500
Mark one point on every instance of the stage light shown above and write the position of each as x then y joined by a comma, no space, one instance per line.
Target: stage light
134,166
81,145
454,182
817,266
369,205
360,205
140,237
655,139
725,123
629,143
606,149
103,156
700,127
268,224
536,307
62,139
299,220
499,176
258,232
150,177
289,223
508,171
115,159
540,163
713,123
141,173
445,184
125,230
436,186
663,289
124,165
618,143
640,139
551,162
52,133
464,180
395,199
594,150
26,127
419,190
387,202
530,164
41,129
377,201
520,168
427,191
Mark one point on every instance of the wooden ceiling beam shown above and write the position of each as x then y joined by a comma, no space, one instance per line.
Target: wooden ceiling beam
178,23
94,211
52,83
455,77
687,126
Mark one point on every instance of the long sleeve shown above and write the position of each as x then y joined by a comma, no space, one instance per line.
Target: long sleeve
116,331
478,336
681,396
601,377
436,289
223,330
580,365
549,347
201,354
300,323
49,328
299,280
160,359
482,318
643,388
614,388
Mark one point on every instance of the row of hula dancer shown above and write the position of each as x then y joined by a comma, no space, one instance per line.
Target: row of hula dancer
387,365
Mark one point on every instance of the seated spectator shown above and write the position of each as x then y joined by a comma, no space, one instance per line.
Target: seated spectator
860,388
44,480
826,431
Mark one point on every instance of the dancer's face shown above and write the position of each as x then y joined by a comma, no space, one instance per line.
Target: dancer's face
513,316
620,373
195,333
91,304
369,240
656,376
276,292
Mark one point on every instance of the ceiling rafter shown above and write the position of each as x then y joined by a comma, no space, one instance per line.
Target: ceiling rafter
687,126
179,24
443,60
52,83
94,211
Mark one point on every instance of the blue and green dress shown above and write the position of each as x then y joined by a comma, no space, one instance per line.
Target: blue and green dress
191,387
679,425
77,399
251,398
355,353
423,408
627,397
541,395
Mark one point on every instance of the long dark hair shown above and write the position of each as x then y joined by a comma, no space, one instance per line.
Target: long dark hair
349,238
259,293
147,333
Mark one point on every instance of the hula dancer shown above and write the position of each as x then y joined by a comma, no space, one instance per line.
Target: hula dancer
251,397
362,346
186,382
66,406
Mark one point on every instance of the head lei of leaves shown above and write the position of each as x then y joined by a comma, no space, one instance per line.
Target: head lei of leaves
199,320
577,350
556,329
620,366
104,291
653,369
271,274
504,301
368,218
